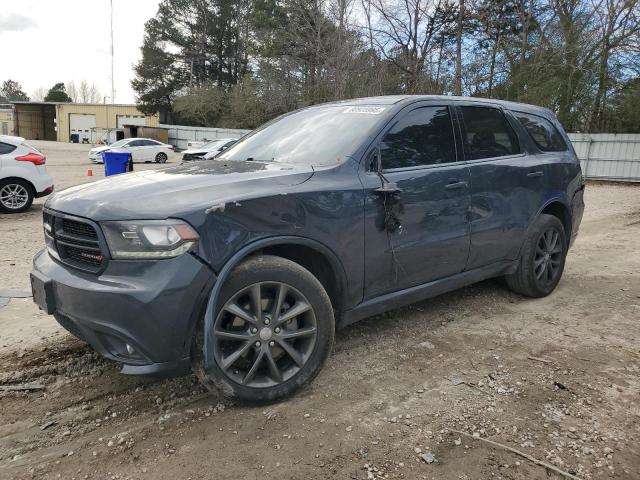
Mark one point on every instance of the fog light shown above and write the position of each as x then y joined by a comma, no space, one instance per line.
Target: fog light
130,349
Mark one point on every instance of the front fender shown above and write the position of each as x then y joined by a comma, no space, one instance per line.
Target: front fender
244,252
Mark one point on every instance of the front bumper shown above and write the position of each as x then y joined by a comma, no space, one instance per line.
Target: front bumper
151,307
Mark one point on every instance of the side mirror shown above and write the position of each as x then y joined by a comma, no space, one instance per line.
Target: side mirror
387,188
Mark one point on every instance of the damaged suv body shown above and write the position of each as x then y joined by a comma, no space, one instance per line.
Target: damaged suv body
320,218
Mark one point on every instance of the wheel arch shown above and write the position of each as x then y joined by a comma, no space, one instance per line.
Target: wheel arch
311,254
12,177
562,211
559,208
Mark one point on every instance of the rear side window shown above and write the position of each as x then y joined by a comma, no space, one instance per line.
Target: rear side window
136,143
423,136
150,143
544,134
488,133
6,148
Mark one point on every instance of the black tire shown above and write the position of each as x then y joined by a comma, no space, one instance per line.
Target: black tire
542,259
8,202
161,157
267,272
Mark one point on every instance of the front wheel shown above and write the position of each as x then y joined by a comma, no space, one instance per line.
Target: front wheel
542,261
272,333
161,157
15,195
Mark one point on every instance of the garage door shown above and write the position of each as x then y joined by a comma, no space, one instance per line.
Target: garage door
131,120
81,124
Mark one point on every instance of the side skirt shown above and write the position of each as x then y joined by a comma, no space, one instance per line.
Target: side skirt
391,301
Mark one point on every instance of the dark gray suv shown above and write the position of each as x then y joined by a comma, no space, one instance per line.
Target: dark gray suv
240,268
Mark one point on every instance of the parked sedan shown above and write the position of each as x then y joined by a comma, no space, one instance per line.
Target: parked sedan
23,175
208,150
142,150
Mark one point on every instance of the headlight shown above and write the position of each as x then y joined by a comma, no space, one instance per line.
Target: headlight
149,239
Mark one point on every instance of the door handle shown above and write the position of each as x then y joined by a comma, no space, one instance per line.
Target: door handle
455,185
537,173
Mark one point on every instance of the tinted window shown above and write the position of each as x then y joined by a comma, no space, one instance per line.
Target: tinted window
313,136
136,143
6,148
488,134
423,136
542,132
150,143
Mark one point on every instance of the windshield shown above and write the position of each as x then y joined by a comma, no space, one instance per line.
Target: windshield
119,143
315,136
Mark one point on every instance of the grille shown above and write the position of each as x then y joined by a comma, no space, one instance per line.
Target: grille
78,228
75,242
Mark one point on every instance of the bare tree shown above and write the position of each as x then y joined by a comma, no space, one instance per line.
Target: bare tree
39,94
619,24
72,91
457,84
88,93
406,32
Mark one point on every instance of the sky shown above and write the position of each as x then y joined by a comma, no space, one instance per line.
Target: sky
44,42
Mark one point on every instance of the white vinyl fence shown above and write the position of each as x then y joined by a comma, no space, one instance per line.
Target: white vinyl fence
608,156
180,136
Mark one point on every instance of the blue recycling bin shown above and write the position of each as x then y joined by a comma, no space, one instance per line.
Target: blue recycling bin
116,162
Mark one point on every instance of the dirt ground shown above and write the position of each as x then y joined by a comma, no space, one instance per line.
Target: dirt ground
556,378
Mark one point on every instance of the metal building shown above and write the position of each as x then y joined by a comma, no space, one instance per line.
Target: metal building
77,122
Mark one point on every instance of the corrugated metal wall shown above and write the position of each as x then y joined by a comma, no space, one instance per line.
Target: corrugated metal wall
608,156
180,135
106,116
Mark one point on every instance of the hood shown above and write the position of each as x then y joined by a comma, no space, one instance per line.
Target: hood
100,149
193,151
177,191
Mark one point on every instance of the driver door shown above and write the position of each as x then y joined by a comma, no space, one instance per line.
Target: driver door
419,233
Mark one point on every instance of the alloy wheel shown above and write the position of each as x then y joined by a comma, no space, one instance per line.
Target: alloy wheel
14,196
264,334
547,261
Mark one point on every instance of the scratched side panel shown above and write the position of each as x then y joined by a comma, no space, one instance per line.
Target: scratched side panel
328,208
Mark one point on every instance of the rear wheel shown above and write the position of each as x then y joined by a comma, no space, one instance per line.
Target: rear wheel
161,157
272,333
15,195
542,261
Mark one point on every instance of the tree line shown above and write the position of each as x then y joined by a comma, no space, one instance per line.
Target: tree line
83,92
238,64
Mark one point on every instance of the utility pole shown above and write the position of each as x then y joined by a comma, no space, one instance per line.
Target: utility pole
113,88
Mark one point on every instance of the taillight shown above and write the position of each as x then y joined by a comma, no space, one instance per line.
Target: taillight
171,147
32,157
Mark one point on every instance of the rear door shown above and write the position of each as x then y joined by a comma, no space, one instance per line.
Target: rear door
420,233
507,184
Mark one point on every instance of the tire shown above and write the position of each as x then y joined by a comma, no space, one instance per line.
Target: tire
542,260
278,373
16,195
161,157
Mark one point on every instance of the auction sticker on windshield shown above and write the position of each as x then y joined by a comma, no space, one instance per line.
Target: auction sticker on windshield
369,110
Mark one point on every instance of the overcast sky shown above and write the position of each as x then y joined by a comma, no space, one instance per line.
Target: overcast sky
48,41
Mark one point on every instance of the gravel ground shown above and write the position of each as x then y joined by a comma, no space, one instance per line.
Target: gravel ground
556,378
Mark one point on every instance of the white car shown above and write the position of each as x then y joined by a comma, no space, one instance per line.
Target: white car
23,175
142,150
208,150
